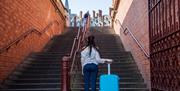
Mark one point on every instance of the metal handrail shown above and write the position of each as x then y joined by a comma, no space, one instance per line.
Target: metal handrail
78,41
79,44
24,35
66,67
135,39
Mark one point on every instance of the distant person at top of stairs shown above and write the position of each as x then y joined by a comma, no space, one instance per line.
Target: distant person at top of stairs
86,14
85,18
89,59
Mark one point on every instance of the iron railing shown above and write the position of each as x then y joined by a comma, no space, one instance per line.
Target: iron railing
134,38
24,35
80,43
70,66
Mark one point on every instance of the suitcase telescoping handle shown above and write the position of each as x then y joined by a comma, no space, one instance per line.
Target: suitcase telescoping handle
109,68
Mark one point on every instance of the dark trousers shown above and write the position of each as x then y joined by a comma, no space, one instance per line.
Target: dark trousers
90,75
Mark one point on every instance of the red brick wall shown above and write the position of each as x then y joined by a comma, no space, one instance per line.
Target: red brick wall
133,14
18,17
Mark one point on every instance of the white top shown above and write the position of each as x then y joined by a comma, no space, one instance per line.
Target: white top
93,58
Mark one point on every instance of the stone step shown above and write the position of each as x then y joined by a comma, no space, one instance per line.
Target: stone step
34,62
34,89
39,76
118,65
121,85
115,54
111,50
58,67
120,89
100,65
36,80
39,80
57,62
34,85
127,54
103,44
104,55
114,72
45,73
50,60
55,80
47,55
73,89
75,85
114,66
122,80
24,71
40,72
121,75
122,69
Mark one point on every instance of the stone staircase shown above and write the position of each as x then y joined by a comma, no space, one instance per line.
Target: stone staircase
124,66
41,71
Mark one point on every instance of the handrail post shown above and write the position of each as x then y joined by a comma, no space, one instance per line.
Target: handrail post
75,23
65,78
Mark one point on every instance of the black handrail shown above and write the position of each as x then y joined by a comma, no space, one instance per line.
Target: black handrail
135,39
24,35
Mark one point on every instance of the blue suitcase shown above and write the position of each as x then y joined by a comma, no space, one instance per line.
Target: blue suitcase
109,82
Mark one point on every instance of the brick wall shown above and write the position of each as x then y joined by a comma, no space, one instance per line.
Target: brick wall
133,14
18,17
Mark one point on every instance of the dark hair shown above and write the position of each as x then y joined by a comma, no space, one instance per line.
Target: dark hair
91,43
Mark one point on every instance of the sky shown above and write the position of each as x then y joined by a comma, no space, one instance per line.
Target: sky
84,5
